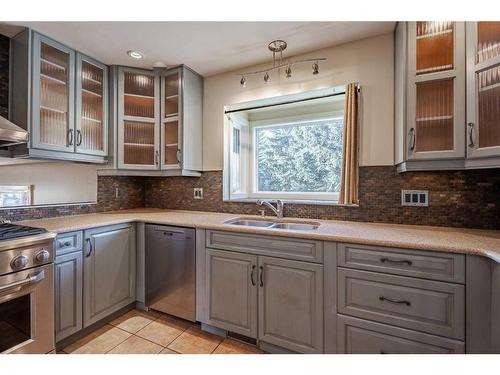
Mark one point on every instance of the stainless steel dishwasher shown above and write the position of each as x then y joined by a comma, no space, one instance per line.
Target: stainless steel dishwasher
170,270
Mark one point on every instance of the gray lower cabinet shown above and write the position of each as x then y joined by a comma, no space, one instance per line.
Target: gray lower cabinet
231,289
291,304
109,271
258,292
358,336
68,294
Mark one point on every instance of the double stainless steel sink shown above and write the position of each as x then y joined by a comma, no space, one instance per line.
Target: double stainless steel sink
268,224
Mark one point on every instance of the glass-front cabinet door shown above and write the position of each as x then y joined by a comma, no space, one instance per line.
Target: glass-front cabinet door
91,106
436,90
53,95
483,89
138,119
171,119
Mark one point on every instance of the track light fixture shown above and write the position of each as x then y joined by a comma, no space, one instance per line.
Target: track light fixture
277,47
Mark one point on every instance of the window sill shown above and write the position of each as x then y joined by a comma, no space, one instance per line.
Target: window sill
312,202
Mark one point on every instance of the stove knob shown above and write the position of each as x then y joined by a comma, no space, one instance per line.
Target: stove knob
19,262
42,256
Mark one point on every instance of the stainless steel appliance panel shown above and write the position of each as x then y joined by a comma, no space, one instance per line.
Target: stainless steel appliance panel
27,311
170,270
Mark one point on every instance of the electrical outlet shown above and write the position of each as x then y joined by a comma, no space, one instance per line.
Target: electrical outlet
415,198
198,193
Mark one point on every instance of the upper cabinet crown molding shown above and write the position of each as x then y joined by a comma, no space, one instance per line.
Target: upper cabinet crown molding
60,97
447,95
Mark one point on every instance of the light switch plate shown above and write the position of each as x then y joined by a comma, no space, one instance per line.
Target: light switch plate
415,198
198,193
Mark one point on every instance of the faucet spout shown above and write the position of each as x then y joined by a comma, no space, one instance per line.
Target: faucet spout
278,210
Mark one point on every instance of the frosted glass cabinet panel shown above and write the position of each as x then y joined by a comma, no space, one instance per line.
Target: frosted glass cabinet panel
483,89
435,90
171,94
138,119
434,120
435,46
92,117
53,95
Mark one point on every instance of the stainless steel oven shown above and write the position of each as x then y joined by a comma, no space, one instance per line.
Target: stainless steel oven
27,295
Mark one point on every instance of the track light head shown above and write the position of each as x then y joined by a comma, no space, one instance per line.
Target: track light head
267,78
288,71
243,81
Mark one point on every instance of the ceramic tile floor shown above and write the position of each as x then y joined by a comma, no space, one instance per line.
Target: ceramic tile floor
139,332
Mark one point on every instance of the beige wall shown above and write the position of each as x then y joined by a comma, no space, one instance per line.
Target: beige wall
369,62
54,182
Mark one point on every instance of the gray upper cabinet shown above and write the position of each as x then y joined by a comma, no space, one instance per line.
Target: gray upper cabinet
231,290
91,106
158,122
68,294
138,119
446,95
109,271
48,79
291,304
53,88
483,93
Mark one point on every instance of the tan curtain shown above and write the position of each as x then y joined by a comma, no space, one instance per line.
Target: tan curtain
350,157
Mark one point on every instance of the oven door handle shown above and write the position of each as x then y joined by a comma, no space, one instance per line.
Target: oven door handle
20,283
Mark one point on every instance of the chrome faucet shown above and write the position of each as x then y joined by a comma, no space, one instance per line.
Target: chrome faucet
278,210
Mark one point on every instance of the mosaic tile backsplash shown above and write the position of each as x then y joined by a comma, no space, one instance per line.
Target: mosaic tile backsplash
456,198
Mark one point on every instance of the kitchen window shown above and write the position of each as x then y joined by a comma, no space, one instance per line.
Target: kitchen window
272,155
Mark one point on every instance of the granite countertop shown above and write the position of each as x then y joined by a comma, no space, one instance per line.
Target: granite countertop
455,240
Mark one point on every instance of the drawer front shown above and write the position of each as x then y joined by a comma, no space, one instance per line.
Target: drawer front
291,248
414,263
69,242
357,336
422,305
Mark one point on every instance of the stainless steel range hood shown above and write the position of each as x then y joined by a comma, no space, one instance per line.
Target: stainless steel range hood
11,134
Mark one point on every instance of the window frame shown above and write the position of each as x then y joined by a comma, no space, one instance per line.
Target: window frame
253,192
241,110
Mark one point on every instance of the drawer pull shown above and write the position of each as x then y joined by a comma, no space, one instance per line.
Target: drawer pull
388,260
67,243
251,275
397,301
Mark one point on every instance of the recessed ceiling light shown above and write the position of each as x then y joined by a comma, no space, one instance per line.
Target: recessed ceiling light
135,54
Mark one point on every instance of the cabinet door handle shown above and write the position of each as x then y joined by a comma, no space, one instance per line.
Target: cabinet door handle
78,138
89,241
471,134
251,275
396,301
157,157
178,156
412,139
70,137
261,275
388,260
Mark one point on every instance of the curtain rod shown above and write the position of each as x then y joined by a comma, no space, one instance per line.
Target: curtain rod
291,101
283,103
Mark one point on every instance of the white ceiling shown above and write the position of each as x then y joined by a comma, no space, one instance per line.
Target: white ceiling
207,47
